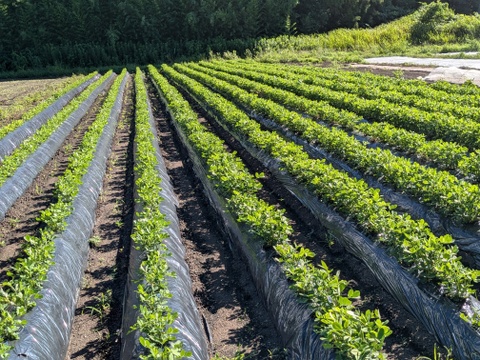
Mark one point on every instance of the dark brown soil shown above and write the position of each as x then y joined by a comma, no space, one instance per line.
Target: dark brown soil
98,318
20,220
409,339
238,322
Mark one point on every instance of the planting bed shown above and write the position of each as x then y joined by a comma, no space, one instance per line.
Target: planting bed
410,338
20,219
232,208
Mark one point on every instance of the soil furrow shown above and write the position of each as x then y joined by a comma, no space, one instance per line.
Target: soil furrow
238,322
410,339
20,220
98,318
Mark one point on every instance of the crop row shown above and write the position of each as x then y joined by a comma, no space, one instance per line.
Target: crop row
438,189
444,155
433,125
435,103
465,95
155,319
414,93
10,163
413,243
20,293
350,332
64,88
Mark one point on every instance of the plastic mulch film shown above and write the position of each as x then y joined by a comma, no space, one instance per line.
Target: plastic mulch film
188,323
13,139
437,314
19,182
468,241
47,332
293,319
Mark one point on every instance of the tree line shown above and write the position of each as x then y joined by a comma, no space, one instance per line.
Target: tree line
38,33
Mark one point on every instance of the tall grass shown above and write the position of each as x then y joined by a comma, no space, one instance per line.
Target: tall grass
432,28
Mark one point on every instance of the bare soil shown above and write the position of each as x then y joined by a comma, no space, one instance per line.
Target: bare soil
409,339
406,72
98,317
20,220
10,91
16,96
238,322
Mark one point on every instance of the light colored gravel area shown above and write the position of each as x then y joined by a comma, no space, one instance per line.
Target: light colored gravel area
452,70
458,63
454,75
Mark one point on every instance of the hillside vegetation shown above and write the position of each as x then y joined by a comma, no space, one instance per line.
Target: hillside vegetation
57,36
432,29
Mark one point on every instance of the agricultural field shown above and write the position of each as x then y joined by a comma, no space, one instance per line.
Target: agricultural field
233,209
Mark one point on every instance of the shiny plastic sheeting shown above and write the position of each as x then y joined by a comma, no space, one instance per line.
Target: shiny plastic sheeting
468,241
47,333
293,319
13,139
15,186
188,323
437,314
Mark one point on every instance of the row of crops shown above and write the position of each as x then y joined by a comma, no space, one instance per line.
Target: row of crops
389,167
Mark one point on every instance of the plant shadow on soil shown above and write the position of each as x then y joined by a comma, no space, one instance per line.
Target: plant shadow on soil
237,321
410,339
97,327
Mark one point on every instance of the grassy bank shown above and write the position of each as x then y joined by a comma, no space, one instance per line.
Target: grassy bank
433,29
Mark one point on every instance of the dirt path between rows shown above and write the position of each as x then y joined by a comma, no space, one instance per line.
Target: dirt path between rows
238,322
11,91
98,317
20,220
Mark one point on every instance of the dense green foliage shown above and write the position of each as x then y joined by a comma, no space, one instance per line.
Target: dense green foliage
433,28
442,154
439,189
93,33
439,24
313,16
353,334
25,279
412,241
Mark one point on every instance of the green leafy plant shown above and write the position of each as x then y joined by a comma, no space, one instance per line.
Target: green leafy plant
411,240
447,194
95,241
442,154
18,294
156,317
324,292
